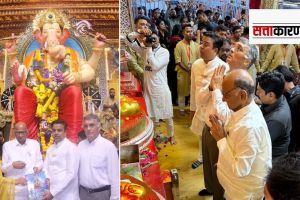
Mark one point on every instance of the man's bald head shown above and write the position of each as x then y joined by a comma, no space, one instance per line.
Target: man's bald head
20,124
241,78
238,89
20,131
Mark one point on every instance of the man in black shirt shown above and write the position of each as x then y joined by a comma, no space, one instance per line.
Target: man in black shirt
292,94
203,21
276,110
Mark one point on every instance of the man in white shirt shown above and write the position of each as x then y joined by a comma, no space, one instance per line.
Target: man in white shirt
61,165
99,164
156,90
21,156
244,143
242,56
202,71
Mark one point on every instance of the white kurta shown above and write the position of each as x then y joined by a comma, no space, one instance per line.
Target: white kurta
99,165
245,155
156,90
201,74
29,153
61,167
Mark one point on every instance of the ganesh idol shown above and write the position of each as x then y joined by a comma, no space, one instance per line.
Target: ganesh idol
48,81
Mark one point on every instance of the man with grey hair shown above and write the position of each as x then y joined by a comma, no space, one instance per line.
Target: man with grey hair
100,157
242,56
244,143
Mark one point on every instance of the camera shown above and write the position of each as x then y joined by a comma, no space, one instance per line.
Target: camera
149,39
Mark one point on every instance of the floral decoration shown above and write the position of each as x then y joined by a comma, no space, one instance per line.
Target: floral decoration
147,158
46,81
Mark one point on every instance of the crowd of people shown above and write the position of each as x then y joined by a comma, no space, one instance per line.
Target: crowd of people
89,170
243,101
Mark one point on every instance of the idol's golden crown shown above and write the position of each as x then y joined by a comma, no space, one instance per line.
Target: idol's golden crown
50,16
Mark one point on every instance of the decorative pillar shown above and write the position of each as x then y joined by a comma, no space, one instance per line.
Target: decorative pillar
125,17
102,77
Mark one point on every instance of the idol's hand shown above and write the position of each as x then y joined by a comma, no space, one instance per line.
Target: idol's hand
68,78
99,40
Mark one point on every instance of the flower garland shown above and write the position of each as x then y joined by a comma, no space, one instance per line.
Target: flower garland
46,80
45,146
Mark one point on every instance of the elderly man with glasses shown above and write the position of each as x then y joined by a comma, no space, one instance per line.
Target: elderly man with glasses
21,156
244,143
241,57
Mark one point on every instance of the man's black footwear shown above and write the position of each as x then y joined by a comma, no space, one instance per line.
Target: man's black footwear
204,192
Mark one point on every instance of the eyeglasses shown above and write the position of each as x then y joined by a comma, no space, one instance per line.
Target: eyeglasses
20,132
227,93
